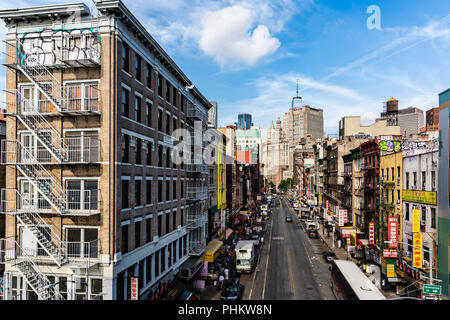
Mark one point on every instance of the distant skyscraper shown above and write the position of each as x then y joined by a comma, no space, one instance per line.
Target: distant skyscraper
244,121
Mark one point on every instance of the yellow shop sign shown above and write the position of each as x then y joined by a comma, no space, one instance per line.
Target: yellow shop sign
425,197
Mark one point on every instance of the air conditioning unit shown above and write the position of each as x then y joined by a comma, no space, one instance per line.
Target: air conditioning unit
426,263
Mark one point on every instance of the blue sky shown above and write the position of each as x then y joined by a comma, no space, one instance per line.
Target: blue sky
248,55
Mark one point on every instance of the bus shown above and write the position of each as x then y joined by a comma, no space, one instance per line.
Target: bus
348,282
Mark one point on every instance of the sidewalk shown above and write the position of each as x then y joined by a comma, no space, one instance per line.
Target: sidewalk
341,253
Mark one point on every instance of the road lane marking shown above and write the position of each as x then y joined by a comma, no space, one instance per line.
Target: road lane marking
291,277
267,261
278,238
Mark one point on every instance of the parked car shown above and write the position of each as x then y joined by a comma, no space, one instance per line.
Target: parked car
255,238
288,219
328,256
312,233
232,290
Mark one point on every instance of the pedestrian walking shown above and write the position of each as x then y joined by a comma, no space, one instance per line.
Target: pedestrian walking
226,273
221,280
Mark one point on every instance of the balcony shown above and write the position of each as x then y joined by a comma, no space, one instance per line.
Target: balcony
77,149
388,184
81,250
197,193
197,168
60,50
74,251
384,204
196,248
195,112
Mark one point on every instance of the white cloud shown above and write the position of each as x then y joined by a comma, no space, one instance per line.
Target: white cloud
228,37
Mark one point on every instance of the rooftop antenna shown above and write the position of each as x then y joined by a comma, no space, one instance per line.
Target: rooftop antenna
297,100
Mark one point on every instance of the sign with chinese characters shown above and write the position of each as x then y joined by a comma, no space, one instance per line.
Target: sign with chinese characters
345,215
326,202
416,220
134,288
222,219
425,197
393,232
320,200
390,270
390,253
417,253
372,232
340,217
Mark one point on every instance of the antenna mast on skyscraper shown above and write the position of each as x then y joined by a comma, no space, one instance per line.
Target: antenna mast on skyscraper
296,98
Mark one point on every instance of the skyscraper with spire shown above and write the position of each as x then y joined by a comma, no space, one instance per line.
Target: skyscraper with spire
301,120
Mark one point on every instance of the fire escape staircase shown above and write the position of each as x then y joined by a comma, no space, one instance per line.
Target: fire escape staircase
38,281
13,152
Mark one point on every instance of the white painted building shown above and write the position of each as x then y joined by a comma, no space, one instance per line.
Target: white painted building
420,170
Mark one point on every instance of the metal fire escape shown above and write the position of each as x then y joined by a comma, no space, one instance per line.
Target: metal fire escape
30,115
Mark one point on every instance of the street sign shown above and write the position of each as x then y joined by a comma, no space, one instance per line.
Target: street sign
134,288
431,297
432,289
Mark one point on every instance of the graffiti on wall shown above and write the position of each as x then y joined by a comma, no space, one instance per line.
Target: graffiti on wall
50,47
390,144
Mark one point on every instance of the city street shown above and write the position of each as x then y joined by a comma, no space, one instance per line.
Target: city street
290,265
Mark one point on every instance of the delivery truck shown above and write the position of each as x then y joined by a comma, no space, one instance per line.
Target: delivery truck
245,256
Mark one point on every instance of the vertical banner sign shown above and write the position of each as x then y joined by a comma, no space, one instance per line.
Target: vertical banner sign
326,206
390,270
417,253
134,288
320,199
340,218
372,232
345,215
416,220
393,232
222,219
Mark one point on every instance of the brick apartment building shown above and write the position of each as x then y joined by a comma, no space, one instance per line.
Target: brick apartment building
92,197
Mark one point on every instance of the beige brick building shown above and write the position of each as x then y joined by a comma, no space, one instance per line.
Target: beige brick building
93,197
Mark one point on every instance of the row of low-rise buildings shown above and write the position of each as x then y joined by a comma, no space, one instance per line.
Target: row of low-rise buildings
384,189
94,205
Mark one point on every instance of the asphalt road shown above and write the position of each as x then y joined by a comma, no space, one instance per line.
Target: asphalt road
289,264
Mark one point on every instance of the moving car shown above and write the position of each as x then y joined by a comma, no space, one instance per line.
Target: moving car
328,256
312,233
288,219
232,290
255,238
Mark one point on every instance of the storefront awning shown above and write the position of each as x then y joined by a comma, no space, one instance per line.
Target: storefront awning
228,232
213,250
